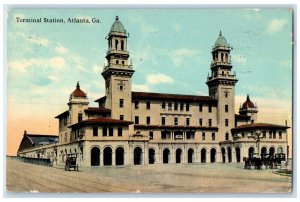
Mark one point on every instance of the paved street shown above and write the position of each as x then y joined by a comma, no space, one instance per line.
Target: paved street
180,178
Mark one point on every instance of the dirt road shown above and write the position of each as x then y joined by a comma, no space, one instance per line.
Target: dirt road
196,178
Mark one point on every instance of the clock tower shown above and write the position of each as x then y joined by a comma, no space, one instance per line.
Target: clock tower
221,84
117,73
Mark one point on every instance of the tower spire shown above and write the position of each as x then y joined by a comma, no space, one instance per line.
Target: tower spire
220,33
77,86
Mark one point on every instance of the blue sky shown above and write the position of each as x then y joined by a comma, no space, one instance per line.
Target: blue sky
170,50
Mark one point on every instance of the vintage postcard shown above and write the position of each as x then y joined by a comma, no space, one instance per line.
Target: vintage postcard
149,100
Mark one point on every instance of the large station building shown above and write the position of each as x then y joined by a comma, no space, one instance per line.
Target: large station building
133,128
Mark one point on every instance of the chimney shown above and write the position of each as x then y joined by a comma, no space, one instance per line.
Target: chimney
285,122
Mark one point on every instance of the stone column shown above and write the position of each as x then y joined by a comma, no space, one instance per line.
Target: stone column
101,158
113,158
208,156
234,160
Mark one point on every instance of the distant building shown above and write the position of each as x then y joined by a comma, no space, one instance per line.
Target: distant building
131,128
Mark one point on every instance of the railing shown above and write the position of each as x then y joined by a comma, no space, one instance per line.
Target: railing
226,76
37,161
214,63
117,51
121,66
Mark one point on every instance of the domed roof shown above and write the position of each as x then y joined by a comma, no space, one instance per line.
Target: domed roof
78,92
248,104
221,41
117,26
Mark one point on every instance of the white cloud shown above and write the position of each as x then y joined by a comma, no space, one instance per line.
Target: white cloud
61,49
239,59
137,87
276,25
22,65
154,79
179,56
96,69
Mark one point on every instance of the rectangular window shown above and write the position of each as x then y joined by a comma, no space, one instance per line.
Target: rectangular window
163,105
274,134
136,120
175,121
213,136
151,135
111,131
226,122
104,131
136,104
227,136
226,108
181,106
175,106
148,105
95,131
264,134
190,135
209,122
79,117
203,135
170,106
280,134
209,108
120,132
121,117
148,120
163,120
121,104
165,134
200,122
187,121
187,107
200,107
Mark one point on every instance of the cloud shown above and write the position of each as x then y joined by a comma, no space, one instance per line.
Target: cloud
38,40
96,69
239,59
137,87
276,25
179,56
23,64
154,79
61,49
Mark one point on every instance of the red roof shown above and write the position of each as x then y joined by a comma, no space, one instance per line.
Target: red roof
248,103
97,110
101,100
164,96
102,120
259,126
78,92
62,114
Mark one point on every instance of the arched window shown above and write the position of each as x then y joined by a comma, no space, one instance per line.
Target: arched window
122,45
116,44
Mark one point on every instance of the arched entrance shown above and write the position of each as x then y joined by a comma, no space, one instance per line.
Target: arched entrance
272,151
151,156
203,155
263,150
238,154
166,155
107,156
223,155
119,156
190,155
213,155
250,152
178,155
95,156
137,155
229,154
279,150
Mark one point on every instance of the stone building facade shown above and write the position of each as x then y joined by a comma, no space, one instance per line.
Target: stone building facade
133,128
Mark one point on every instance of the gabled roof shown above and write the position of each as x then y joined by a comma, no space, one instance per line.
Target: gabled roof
177,97
34,140
101,121
257,126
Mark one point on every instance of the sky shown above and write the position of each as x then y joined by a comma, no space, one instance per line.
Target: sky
170,50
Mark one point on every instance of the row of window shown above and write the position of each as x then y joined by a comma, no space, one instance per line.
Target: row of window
163,121
107,131
272,134
179,135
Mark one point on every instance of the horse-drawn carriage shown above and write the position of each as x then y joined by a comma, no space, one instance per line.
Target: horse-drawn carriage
267,160
71,163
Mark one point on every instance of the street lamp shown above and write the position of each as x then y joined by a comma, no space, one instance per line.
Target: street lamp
257,138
